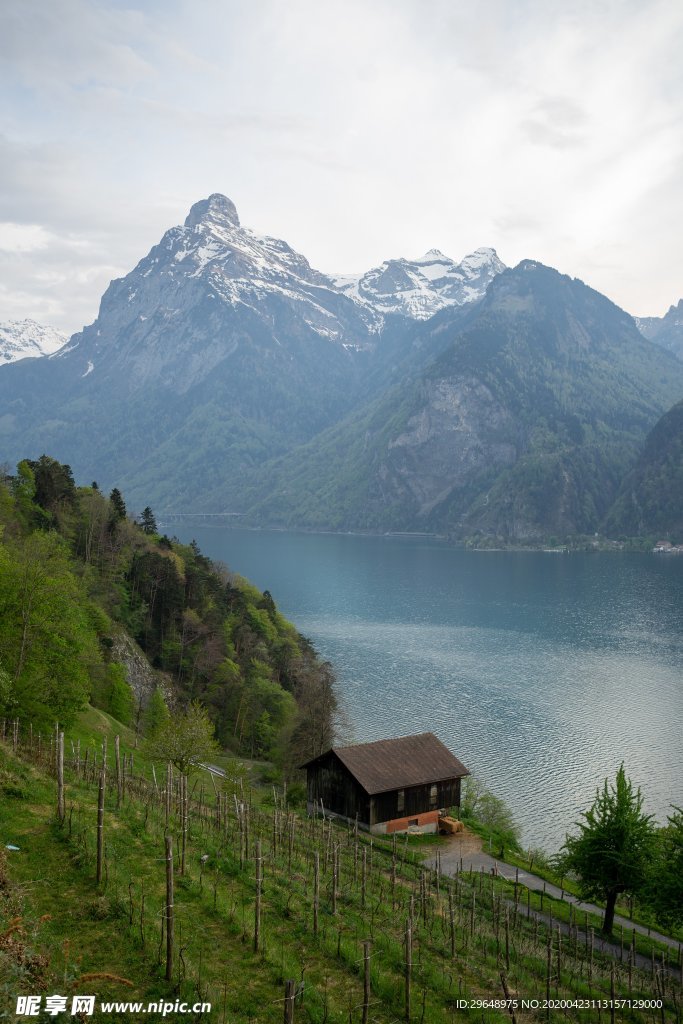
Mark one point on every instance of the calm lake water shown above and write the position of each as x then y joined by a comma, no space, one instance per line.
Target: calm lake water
541,672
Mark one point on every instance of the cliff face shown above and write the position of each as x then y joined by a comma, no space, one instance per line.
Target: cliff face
141,677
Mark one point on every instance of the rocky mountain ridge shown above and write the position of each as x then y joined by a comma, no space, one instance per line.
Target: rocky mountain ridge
666,330
420,288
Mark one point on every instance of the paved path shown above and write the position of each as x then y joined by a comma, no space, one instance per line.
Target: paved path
464,852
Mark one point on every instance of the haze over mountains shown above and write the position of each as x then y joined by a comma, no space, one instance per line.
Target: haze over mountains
224,373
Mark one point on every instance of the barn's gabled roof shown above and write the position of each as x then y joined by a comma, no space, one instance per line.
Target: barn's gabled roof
386,765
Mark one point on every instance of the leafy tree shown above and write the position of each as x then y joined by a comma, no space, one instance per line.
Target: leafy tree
479,804
147,520
155,715
24,488
120,699
47,642
610,855
186,740
5,692
664,889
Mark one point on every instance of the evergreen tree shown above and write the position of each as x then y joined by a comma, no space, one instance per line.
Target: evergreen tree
612,852
55,485
147,521
117,503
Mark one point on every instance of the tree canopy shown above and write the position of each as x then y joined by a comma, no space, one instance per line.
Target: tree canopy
185,740
75,571
663,892
612,851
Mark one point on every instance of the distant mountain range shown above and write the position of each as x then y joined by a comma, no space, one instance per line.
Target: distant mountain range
420,288
224,373
666,331
24,339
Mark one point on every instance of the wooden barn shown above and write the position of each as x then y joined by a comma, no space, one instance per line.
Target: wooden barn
388,786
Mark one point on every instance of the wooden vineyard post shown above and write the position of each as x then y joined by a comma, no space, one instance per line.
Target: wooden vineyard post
257,903
559,959
119,781
548,972
100,828
409,966
169,788
169,908
366,981
61,813
290,992
506,993
183,821
335,861
316,890
451,921
363,878
611,993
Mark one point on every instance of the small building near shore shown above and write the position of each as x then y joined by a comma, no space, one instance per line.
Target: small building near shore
386,786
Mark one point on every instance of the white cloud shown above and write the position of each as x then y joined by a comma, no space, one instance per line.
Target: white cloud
547,129
23,237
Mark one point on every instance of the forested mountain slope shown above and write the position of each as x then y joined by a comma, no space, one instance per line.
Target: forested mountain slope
650,500
522,427
76,573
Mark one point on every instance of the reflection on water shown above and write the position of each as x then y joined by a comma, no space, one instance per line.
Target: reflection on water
541,672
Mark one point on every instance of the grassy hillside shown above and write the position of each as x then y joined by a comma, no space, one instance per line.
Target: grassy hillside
62,933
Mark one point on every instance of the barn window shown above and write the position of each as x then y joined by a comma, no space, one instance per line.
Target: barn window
433,795
400,801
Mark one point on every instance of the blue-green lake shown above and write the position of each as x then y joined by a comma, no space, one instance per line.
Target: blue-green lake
541,672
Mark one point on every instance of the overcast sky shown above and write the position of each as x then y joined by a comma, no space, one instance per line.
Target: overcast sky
357,131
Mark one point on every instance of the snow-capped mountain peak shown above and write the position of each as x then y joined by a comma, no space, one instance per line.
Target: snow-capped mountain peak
420,287
26,339
217,209
209,288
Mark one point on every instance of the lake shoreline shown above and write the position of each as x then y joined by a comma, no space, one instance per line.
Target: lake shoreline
629,546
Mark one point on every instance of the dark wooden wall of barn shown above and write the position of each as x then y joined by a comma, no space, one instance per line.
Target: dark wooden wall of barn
328,780
416,800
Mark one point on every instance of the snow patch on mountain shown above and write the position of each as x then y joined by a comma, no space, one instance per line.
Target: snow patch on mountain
26,339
